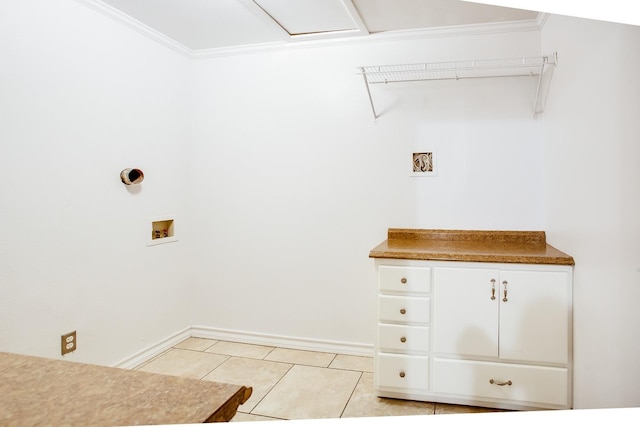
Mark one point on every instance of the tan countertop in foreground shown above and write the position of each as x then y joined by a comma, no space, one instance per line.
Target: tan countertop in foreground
38,391
524,247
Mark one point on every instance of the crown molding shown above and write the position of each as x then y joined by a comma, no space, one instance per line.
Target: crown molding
126,20
387,36
542,19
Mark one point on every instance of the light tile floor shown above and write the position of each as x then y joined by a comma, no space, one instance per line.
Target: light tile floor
290,384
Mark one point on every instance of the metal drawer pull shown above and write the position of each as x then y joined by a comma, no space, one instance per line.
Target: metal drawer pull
500,383
403,311
401,374
403,339
493,289
505,291
403,280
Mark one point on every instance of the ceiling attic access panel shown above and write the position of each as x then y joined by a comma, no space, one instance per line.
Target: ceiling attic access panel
539,69
313,19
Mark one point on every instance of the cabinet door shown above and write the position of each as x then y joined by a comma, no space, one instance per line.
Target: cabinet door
465,318
534,321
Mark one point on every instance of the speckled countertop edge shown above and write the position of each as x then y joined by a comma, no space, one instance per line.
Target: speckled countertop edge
41,391
496,246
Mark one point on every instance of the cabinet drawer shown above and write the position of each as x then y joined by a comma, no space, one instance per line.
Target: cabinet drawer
407,372
404,309
534,385
403,338
405,279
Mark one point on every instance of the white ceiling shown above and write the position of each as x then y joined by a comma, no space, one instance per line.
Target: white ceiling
199,25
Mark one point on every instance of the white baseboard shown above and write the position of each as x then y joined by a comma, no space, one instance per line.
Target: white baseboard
297,343
353,349
149,353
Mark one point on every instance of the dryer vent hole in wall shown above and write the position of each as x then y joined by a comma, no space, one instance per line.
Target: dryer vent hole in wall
134,175
131,176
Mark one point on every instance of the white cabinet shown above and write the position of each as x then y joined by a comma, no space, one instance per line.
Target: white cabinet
467,316
403,332
504,314
495,335
498,384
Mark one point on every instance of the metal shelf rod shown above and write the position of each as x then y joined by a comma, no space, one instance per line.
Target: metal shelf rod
473,69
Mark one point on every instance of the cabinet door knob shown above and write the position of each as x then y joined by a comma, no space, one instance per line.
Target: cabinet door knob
403,311
493,289
500,383
505,299
403,280
401,374
403,339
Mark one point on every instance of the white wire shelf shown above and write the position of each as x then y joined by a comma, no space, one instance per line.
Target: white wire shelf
472,69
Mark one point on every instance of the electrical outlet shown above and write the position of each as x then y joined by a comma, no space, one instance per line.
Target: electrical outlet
69,342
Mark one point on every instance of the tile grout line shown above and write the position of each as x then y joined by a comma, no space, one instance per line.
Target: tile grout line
335,356
222,363
270,351
270,390
351,395
205,350
145,363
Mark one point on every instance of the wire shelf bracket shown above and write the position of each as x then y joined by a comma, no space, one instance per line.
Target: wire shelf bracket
540,67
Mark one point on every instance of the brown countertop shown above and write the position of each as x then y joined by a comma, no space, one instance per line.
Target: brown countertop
523,247
39,391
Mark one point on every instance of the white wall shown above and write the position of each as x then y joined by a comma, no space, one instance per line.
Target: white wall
294,182
592,147
282,182
83,97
